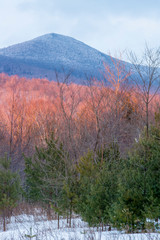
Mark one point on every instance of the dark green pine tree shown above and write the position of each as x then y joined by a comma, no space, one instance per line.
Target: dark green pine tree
9,189
33,178
87,171
139,184
69,194
153,170
46,173
98,185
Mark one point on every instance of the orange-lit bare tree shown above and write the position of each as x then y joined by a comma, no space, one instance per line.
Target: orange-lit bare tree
67,102
146,77
122,102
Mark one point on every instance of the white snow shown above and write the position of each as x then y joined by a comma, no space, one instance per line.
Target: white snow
21,225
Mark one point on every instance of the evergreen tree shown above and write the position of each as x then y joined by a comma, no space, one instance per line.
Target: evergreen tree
69,194
98,184
139,184
9,188
46,173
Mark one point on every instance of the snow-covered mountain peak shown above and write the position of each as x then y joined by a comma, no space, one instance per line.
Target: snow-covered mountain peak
49,52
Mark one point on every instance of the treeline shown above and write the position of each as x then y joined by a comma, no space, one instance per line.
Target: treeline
82,117
104,188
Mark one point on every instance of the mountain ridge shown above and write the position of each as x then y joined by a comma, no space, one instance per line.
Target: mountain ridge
41,56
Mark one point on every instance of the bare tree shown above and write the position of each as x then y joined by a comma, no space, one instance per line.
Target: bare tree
68,101
122,105
146,77
95,103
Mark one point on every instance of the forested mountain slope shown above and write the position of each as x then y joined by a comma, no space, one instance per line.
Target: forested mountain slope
43,55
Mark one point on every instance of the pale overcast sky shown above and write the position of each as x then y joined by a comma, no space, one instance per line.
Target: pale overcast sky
107,25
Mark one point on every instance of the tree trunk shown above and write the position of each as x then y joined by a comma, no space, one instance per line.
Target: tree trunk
58,220
102,227
4,221
70,217
67,218
49,212
147,121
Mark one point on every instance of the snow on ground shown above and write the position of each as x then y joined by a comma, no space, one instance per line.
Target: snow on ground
43,229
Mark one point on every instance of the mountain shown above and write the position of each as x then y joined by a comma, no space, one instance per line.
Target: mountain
43,55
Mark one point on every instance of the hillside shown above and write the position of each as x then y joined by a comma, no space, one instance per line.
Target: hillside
41,56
